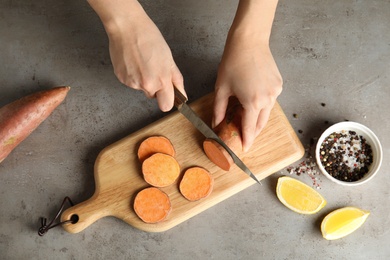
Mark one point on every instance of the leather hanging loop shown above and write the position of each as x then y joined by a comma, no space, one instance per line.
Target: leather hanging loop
44,227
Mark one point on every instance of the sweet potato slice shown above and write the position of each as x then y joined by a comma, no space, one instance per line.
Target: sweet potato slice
21,117
155,144
160,170
217,154
152,205
197,183
229,130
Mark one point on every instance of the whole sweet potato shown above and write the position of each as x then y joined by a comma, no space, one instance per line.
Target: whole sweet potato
21,117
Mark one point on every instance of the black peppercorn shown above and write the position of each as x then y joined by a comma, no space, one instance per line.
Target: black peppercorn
346,155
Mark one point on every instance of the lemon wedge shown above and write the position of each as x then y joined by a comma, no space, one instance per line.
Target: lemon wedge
298,196
343,222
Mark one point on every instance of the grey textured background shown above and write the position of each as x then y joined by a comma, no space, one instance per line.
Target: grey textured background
332,52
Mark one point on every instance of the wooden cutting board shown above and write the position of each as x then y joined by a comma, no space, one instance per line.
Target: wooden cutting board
118,173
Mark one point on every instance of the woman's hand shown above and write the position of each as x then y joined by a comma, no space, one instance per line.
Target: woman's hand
253,77
141,57
248,69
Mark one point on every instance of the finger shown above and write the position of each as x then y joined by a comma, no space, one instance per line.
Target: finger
262,120
147,93
129,81
221,101
165,98
178,81
249,124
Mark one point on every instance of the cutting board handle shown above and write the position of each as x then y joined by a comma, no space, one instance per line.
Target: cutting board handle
84,214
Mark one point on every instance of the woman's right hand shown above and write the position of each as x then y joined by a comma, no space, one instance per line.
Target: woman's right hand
139,53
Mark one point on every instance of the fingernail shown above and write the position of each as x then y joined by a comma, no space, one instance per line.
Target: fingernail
248,144
245,148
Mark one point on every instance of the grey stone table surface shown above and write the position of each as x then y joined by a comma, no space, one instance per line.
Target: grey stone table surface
331,52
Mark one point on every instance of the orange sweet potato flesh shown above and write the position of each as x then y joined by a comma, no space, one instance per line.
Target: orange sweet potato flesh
155,144
152,205
21,117
197,183
160,170
217,154
229,131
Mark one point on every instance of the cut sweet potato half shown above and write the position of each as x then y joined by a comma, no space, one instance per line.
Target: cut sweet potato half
152,205
160,170
155,144
229,131
197,183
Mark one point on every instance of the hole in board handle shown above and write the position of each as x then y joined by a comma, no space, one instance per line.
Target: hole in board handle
74,219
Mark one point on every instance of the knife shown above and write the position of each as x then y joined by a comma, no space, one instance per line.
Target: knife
184,109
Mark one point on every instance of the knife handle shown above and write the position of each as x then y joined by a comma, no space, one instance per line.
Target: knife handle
180,99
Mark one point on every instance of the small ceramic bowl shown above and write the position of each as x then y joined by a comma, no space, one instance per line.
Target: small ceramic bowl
371,139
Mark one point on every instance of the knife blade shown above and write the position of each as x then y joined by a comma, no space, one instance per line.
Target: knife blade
184,109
